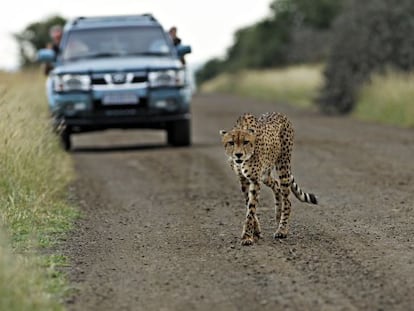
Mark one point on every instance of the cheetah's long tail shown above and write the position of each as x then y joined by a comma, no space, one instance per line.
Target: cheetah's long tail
301,195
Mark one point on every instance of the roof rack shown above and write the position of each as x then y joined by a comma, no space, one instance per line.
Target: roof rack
92,19
150,16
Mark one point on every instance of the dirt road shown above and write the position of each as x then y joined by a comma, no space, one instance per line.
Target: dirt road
160,227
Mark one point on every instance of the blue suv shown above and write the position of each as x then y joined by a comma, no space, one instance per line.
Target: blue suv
118,72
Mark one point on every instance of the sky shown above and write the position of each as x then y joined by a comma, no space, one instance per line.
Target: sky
208,26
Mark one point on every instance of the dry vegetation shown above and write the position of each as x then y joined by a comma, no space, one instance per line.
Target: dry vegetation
34,176
386,98
297,85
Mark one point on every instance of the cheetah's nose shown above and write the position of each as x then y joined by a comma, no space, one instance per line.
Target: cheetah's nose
239,155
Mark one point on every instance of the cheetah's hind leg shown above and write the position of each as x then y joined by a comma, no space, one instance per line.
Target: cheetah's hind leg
273,184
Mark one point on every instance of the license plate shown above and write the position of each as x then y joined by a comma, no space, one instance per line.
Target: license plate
120,99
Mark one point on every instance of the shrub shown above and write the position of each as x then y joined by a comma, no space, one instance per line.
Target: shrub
369,37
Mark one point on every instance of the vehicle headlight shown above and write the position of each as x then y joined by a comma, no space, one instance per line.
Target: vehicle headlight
70,82
166,78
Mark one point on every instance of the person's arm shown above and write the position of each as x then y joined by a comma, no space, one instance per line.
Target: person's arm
48,66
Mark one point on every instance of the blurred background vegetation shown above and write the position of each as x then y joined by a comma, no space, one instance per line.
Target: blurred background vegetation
34,37
346,44
336,53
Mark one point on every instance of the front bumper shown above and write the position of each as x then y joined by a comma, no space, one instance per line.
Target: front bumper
86,111
84,124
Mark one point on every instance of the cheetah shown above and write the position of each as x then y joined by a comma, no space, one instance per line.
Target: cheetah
256,147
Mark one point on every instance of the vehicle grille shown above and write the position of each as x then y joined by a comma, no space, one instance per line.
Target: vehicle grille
130,78
139,79
98,81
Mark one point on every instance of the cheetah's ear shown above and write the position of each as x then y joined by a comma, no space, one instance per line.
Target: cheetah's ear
223,132
251,131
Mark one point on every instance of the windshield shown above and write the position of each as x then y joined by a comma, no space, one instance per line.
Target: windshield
113,42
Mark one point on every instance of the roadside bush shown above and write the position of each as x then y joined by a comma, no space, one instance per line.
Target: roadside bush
370,36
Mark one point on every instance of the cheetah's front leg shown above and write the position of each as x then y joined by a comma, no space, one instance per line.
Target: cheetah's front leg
244,187
251,225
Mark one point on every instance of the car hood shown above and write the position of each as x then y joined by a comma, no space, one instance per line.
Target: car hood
117,64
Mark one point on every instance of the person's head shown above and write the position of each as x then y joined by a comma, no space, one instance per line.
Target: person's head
55,33
173,32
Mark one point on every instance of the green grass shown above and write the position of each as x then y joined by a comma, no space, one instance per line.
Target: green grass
23,282
297,85
34,213
386,98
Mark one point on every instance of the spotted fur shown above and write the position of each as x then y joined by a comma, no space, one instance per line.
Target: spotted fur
256,147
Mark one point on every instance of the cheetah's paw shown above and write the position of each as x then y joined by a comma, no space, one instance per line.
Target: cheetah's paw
280,234
247,241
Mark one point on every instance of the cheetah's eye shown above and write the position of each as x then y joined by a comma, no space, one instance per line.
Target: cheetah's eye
231,143
245,142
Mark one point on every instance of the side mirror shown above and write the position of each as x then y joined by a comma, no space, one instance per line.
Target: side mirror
46,55
183,49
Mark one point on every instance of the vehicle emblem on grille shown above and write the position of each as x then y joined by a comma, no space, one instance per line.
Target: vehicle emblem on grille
118,78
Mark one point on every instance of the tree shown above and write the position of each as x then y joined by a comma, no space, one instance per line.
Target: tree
261,45
210,69
293,33
317,14
34,37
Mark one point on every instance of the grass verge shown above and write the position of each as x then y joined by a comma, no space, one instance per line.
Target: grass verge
386,98
34,213
297,85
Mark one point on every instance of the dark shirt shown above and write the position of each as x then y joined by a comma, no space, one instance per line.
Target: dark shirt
56,49
176,41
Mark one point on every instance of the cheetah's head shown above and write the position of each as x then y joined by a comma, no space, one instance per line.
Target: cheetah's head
238,144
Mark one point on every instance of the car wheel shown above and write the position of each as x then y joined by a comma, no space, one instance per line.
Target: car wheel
179,133
65,139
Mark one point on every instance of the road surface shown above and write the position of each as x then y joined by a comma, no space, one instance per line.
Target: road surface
160,227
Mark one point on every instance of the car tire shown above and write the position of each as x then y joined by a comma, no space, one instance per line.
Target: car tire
65,139
179,133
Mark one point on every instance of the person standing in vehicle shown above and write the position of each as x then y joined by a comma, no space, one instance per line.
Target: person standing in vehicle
173,35
176,40
55,33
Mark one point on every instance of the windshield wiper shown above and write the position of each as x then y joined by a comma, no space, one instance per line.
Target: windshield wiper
95,55
108,54
148,53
